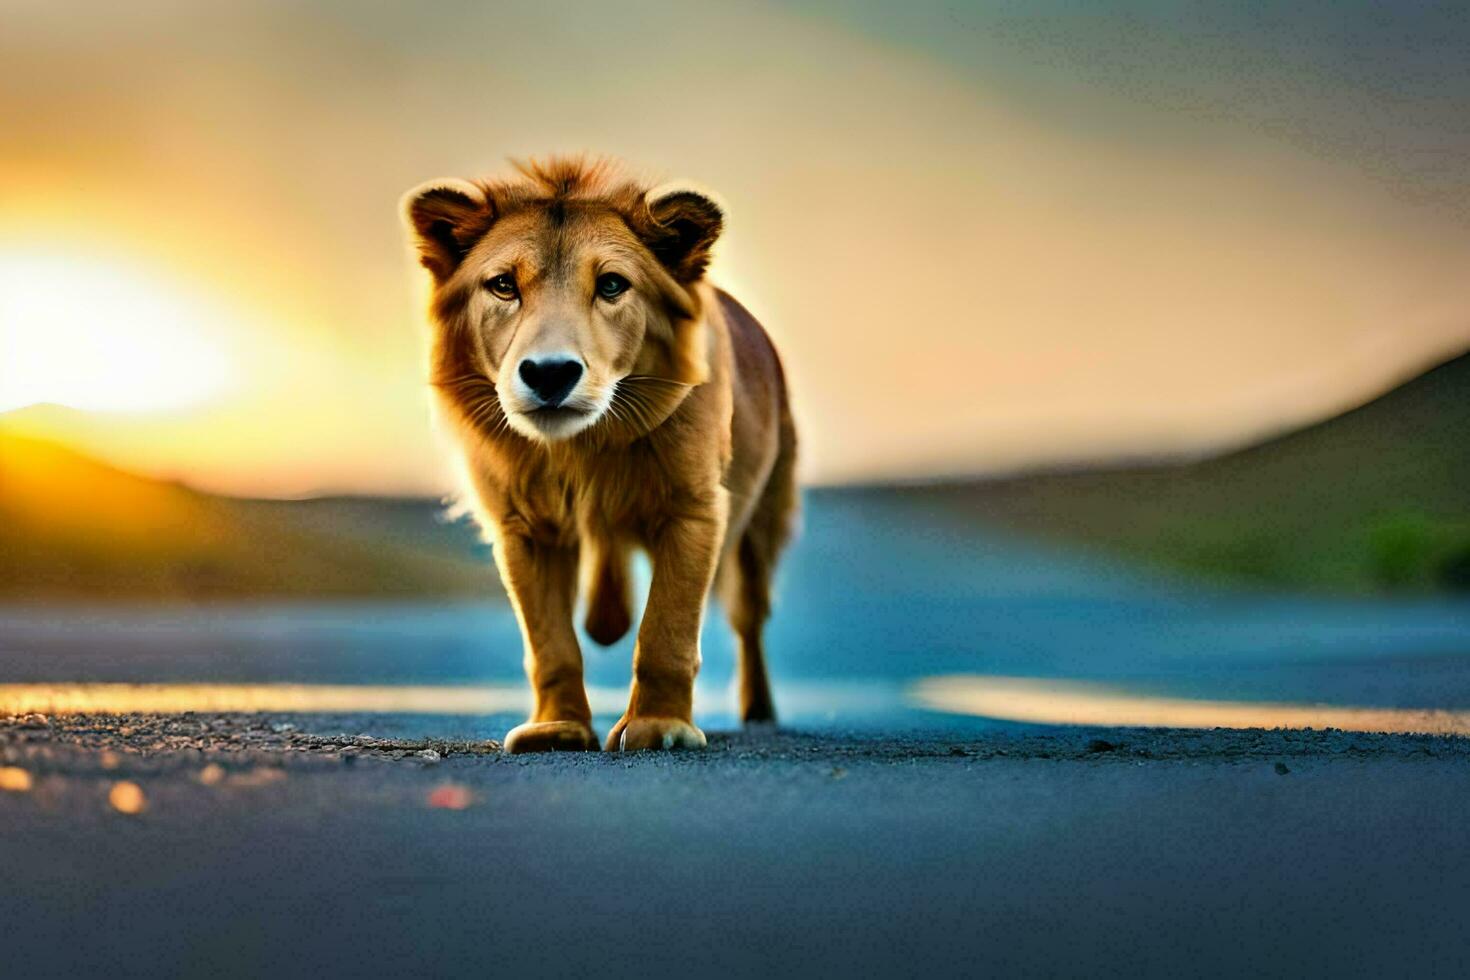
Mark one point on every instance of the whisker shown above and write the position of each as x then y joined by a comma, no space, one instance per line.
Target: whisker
478,401
654,379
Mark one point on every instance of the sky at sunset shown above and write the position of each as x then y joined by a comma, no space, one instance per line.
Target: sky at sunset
984,236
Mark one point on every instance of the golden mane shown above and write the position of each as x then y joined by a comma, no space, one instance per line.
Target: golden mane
563,179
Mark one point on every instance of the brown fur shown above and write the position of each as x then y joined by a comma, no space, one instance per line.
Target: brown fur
679,440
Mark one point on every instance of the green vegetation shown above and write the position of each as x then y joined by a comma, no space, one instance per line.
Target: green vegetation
73,528
1411,550
1375,499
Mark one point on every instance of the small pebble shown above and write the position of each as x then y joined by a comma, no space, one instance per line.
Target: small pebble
212,774
259,776
127,797
1281,769
14,779
450,796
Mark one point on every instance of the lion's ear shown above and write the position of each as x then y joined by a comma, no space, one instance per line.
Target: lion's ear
682,229
446,217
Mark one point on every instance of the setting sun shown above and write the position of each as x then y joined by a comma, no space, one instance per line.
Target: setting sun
104,335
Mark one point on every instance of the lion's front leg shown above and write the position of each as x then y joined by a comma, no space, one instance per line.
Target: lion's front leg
542,581
660,711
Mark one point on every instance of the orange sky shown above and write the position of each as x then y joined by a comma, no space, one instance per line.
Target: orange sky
981,241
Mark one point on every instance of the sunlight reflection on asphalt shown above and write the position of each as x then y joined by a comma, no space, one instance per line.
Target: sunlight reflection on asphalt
807,703
1054,702
1006,699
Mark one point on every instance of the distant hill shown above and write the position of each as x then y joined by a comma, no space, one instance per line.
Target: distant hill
1376,498
72,528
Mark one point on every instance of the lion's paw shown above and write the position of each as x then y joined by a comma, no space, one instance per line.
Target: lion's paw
663,734
551,736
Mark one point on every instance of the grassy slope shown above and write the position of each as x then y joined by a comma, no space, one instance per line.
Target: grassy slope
71,527
1378,497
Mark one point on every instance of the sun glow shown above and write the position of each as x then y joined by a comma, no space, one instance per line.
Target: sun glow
104,335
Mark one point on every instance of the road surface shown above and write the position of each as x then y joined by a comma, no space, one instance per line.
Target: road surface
250,845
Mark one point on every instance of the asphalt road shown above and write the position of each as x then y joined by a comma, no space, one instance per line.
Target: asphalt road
275,846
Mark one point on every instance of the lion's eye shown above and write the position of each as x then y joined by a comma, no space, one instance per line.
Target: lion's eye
610,285
503,287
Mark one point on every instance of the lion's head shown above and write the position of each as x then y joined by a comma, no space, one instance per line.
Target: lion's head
563,296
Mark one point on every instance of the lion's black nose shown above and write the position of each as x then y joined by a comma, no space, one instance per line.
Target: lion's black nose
551,378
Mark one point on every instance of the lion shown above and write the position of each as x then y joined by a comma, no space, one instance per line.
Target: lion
604,397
